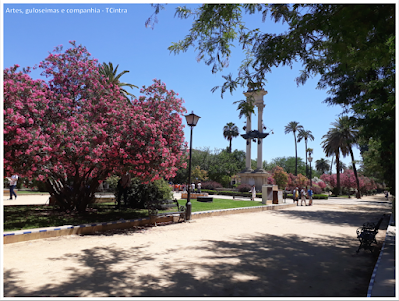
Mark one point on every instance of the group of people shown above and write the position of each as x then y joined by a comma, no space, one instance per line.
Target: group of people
302,193
296,194
178,187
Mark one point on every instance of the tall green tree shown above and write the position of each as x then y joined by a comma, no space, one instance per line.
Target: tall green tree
323,165
230,131
225,165
370,165
108,71
351,47
349,136
220,165
332,145
305,135
293,127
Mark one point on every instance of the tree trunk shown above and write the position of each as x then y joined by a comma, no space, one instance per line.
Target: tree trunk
230,145
73,197
355,172
306,158
296,157
338,174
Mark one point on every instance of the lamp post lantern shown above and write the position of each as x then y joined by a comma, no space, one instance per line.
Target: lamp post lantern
310,162
192,120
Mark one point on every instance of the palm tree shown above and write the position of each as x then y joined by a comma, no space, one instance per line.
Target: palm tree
294,126
302,134
332,144
230,131
310,152
349,135
332,163
342,167
322,165
245,107
108,71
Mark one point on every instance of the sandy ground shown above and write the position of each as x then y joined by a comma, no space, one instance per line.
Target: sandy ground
295,252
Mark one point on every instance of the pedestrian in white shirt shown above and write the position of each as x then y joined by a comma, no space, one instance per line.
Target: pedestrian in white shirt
13,183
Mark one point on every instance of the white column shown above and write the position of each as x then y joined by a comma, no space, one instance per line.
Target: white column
260,129
248,153
257,97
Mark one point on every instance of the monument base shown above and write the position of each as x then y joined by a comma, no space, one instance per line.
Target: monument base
254,178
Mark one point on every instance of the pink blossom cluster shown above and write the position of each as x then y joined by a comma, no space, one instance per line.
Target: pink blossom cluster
348,180
76,125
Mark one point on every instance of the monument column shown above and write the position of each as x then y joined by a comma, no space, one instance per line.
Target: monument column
259,176
260,141
248,153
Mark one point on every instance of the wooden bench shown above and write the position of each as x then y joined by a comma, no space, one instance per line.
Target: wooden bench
366,235
154,207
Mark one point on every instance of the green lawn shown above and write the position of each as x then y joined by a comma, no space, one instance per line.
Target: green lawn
29,217
219,204
27,192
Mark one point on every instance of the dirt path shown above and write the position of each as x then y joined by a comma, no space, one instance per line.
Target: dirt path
300,251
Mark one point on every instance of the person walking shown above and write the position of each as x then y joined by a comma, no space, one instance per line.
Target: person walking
13,183
253,193
303,196
193,188
310,194
199,187
295,195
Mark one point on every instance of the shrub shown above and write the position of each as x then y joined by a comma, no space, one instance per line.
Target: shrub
244,188
140,193
316,189
112,182
212,185
335,191
231,193
209,191
320,196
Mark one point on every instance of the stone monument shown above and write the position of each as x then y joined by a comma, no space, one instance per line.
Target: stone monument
257,177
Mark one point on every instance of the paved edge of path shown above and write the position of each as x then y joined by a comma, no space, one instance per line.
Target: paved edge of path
39,233
383,282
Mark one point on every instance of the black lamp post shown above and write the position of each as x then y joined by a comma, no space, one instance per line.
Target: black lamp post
192,120
310,162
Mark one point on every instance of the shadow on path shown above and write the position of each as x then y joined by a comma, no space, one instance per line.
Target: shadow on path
254,265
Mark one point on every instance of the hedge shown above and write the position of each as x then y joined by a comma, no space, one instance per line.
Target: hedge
315,196
230,193
258,195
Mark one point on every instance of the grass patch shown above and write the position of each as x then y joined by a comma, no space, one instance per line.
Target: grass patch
219,204
30,217
18,192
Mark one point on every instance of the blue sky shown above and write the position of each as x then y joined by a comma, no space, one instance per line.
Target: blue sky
122,38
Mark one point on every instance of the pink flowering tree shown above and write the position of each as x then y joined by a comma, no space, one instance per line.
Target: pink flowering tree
270,180
330,180
291,181
348,180
280,177
322,185
75,130
301,181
